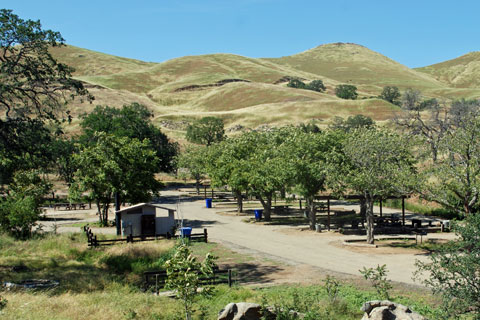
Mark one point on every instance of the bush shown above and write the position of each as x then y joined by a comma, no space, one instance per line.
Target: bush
378,277
346,91
391,94
20,210
454,270
316,85
296,83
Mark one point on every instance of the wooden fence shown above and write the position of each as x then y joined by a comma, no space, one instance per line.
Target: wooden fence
94,242
157,279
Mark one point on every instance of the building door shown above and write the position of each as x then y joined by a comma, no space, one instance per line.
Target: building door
148,225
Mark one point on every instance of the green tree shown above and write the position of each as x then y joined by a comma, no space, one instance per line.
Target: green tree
391,94
25,144
34,84
309,154
454,270
20,210
206,130
296,83
193,160
352,122
268,168
346,91
183,276
228,164
316,85
115,164
132,121
375,163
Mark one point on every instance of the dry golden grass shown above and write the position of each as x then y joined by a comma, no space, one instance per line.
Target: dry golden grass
259,101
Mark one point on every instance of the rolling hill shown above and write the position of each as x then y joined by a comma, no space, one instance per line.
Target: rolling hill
251,92
462,72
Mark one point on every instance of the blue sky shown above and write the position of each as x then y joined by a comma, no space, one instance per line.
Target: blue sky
414,33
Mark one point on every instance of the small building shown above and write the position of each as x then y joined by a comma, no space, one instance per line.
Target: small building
145,219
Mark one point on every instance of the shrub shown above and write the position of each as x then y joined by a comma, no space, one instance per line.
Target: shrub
378,277
346,91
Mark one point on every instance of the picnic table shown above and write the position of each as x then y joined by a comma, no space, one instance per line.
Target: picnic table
280,208
70,206
392,220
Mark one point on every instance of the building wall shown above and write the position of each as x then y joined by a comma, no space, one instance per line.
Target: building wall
132,223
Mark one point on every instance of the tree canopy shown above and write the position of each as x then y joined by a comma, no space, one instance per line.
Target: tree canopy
33,83
115,164
206,130
391,94
132,121
375,163
346,91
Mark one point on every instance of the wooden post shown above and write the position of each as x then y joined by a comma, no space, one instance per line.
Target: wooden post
156,284
300,202
328,214
205,235
381,208
403,211
229,278
212,193
95,243
205,192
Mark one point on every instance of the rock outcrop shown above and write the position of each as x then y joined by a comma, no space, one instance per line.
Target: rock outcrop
241,311
387,310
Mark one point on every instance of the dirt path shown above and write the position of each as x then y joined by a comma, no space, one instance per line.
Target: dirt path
302,250
292,246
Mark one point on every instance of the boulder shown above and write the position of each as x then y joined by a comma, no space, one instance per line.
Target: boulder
387,310
241,311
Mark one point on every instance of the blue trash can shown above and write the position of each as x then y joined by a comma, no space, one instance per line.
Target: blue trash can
208,202
185,232
258,214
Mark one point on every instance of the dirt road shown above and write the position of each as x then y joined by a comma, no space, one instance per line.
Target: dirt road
290,245
322,251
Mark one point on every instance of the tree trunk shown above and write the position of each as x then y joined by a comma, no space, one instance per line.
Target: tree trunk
283,193
267,206
312,212
197,186
363,211
238,194
370,220
99,211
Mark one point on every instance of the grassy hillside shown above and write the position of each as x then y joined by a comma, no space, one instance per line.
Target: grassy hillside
252,92
462,72
352,63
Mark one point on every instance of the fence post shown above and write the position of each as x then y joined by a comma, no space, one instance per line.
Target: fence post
229,278
95,241
205,235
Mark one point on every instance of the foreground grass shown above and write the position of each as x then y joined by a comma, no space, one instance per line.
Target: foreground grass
105,283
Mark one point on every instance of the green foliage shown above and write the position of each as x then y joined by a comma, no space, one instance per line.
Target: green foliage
20,209
296,83
378,277
454,270
115,164
193,160
132,121
184,273
25,144
332,287
411,99
34,84
375,163
391,94
3,303
314,85
346,91
352,122
207,130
